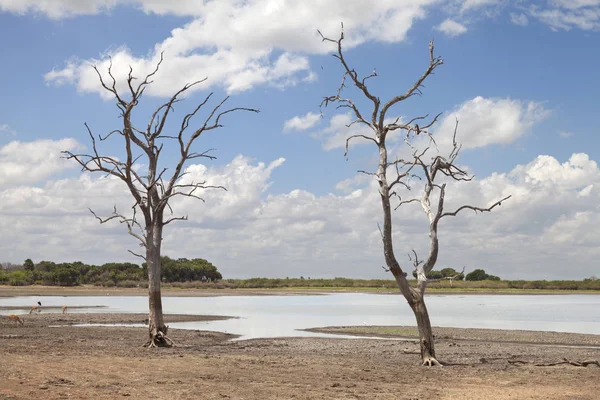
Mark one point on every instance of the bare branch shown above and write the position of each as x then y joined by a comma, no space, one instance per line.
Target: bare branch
402,202
434,62
185,218
137,255
367,173
357,136
359,83
476,209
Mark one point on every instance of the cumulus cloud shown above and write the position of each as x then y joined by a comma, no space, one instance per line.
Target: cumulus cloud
302,123
451,28
482,122
248,231
239,45
336,133
29,162
486,121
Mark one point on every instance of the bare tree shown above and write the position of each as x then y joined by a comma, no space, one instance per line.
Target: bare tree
153,190
393,175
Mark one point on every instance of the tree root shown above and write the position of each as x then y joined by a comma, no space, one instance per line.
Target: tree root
430,362
160,339
584,363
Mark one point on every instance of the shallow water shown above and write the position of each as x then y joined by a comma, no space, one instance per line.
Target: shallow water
282,316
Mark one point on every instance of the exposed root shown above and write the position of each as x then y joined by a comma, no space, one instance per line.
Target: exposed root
431,362
159,339
584,363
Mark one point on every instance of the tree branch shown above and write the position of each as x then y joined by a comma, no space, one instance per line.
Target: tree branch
476,209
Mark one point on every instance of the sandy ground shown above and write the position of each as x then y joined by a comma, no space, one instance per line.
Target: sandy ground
40,361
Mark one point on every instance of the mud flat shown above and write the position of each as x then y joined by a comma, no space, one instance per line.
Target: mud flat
70,361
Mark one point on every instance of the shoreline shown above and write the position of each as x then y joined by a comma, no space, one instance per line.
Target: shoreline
35,290
51,357
409,333
505,336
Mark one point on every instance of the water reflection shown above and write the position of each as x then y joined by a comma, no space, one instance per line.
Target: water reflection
280,316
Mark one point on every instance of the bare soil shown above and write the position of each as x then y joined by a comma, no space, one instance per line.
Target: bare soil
40,361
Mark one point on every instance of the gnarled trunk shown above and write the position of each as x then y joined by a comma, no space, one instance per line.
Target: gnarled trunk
414,297
157,330
425,333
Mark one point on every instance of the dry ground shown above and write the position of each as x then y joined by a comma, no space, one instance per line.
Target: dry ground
38,361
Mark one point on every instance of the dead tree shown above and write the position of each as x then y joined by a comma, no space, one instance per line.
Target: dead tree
151,191
393,175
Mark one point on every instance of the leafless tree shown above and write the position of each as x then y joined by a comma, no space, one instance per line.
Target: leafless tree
151,191
393,175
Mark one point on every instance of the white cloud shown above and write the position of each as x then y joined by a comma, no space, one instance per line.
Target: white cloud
468,5
553,215
519,19
29,162
57,9
565,134
451,28
575,173
568,14
575,4
482,122
302,123
485,121
218,44
335,134
6,129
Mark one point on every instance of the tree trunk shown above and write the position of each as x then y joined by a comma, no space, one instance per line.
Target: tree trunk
156,327
414,297
425,333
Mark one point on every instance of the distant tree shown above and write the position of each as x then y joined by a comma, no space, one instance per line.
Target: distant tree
448,272
477,275
45,266
28,265
66,276
393,174
184,270
8,266
493,278
153,190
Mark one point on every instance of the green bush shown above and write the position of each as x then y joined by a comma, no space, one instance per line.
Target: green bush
19,278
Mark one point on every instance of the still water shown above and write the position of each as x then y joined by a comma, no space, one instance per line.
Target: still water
281,316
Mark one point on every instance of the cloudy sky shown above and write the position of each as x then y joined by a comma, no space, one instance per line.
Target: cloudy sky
520,76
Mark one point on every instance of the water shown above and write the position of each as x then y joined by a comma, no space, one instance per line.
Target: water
283,316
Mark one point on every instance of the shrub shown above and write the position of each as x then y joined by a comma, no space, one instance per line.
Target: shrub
19,278
477,275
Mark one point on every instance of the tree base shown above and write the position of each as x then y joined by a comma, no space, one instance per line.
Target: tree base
159,339
431,362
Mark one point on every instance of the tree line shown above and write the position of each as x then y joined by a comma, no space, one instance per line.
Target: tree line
109,274
198,273
347,283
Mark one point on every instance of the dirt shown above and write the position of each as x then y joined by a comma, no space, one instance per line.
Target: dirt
40,361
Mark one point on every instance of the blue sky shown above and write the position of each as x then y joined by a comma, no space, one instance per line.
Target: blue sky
520,76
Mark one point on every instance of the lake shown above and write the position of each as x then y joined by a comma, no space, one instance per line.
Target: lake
281,316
